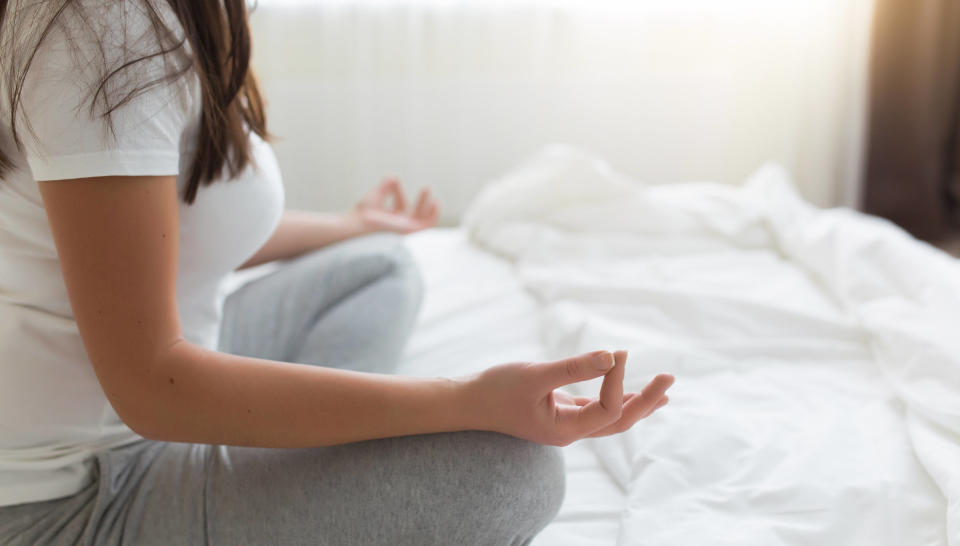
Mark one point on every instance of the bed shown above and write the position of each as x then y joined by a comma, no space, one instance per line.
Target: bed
816,352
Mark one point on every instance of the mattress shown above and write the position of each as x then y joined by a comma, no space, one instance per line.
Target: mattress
817,369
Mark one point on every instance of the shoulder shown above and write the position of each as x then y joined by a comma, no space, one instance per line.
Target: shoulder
106,80
114,50
108,29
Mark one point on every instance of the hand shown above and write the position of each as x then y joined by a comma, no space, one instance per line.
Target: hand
519,399
375,213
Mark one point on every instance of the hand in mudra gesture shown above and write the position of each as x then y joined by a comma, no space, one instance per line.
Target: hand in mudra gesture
520,399
384,208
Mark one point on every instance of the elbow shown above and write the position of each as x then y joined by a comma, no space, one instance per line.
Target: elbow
146,402
142,417
151,429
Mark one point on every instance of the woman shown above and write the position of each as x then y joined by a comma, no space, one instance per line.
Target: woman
136,406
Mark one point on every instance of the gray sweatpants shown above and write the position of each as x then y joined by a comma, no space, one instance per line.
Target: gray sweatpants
351,305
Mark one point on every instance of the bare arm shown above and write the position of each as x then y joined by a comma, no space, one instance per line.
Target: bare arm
117,242
384,208
302,231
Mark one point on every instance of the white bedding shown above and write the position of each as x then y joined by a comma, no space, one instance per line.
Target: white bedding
817,399
476,313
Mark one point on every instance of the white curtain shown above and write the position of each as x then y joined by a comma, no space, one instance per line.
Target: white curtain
451,93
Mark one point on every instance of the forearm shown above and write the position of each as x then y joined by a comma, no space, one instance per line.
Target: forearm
300,232
196,395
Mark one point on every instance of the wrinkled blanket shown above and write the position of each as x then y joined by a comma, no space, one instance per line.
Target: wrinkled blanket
817,352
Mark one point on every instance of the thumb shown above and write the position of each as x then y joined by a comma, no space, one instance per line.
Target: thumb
574,369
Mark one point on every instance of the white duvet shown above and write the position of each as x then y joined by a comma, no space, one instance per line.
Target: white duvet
817,354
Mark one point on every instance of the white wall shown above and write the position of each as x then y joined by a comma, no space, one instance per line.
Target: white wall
451,93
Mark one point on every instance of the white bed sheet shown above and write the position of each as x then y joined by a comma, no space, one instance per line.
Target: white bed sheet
476,313
731,423
815,352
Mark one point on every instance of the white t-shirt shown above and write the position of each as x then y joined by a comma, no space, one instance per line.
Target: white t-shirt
53,414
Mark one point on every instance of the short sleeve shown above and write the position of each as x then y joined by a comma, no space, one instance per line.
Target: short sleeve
61,122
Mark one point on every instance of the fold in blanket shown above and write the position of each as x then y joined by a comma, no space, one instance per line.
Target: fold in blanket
816,351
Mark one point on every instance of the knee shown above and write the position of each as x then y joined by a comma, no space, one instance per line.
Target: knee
400,263
522,486
356,263
387,255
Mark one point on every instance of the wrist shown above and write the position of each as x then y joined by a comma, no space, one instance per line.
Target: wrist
355,222
467,403
472,401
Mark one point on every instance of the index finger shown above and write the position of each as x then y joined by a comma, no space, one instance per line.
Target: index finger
574,369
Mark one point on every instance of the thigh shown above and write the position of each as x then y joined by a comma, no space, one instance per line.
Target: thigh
454,488
466,488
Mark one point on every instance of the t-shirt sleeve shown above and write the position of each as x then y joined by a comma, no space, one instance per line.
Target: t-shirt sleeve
61,123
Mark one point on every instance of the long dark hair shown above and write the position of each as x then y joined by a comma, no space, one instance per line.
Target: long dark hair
219,42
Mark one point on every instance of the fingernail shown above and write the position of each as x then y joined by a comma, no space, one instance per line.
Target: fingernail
605,361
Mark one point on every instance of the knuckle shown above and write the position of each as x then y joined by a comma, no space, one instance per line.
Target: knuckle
529,370
611,412
573,368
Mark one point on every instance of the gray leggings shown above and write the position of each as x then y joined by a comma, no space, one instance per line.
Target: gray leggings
351,305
